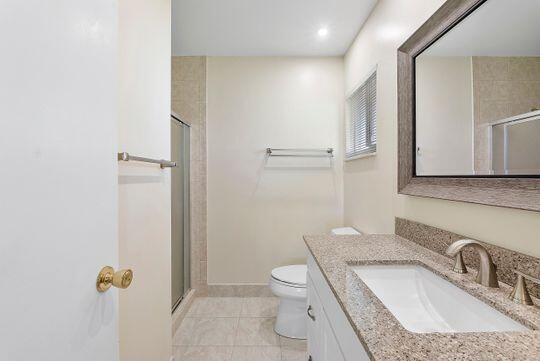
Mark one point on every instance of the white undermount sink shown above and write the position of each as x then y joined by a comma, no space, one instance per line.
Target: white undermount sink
424,302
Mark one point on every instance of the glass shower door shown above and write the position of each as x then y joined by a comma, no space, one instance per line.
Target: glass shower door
180,219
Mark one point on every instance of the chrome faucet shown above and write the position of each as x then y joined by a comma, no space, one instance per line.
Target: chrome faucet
487,273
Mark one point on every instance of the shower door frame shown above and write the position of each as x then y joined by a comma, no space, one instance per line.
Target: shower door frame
186,213
506,123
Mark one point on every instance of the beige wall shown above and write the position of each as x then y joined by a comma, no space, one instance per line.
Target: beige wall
370,186
258,210
189,103
444,115
144,189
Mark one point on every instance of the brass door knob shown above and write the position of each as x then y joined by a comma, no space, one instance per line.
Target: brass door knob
107,278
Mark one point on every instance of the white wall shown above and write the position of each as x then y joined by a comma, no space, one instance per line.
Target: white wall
444,115
370,185
144,189
257,210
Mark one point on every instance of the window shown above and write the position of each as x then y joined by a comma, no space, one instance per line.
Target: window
361,120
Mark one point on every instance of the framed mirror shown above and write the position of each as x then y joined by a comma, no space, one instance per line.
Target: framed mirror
469,105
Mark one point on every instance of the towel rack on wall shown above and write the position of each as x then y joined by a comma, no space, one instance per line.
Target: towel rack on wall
299,152
126,157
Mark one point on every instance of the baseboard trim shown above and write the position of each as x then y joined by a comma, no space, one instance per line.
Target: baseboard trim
237,284
180,312
239,290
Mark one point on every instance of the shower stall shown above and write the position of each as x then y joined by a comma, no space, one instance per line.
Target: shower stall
180,217
515,145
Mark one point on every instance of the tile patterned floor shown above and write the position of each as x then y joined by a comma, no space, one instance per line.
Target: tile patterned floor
234,329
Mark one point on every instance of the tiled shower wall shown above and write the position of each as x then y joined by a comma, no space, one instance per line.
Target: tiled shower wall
189,103
503,87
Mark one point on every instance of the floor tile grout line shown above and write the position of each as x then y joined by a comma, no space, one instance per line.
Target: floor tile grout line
231,317
236,332
243,308
211,345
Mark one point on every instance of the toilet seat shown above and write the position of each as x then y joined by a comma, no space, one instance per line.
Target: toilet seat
285,284
292,276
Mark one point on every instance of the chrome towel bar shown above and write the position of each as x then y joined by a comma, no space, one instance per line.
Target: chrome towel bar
284,152
126,157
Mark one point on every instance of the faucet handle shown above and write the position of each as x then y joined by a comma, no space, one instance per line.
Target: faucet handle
520,294
459,266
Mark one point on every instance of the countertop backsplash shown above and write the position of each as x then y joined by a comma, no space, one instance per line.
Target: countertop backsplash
438,240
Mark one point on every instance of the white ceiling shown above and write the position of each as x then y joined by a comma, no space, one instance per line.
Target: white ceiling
497,28
266,27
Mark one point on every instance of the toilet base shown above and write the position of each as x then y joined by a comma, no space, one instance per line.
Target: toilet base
291,320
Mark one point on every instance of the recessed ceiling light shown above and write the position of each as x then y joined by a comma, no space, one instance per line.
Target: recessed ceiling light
323,32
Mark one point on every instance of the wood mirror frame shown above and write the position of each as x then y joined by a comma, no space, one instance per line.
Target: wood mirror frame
512,192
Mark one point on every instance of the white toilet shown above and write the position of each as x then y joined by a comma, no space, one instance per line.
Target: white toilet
289,284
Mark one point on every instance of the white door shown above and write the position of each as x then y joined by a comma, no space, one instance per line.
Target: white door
58,183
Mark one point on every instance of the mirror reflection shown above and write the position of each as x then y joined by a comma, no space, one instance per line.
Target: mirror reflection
478,95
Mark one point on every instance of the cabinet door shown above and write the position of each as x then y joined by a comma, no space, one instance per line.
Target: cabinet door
315,337
322,343
332,351
349,344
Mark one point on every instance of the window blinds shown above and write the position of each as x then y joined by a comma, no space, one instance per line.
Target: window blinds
361,126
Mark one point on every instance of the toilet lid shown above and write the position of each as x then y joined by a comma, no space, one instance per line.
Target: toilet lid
344,231
295,274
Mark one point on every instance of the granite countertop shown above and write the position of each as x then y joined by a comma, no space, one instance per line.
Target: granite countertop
381,333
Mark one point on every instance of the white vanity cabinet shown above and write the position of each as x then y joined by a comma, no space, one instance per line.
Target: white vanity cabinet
330,335
322,343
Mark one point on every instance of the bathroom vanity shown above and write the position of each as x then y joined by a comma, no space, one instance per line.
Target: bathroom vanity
362,289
